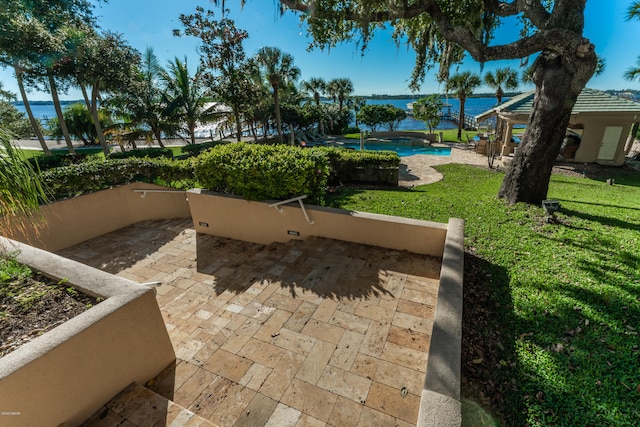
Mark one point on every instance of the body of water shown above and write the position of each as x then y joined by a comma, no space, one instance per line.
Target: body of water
473,106
403,150
43,112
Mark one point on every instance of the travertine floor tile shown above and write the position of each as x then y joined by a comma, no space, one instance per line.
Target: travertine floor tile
309,399
295,334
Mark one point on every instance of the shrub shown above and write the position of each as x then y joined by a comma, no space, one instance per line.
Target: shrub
151,152
195,149
342,162
86,177
262,172
51,161
350,129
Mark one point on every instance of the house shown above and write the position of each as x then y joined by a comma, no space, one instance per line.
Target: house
598,131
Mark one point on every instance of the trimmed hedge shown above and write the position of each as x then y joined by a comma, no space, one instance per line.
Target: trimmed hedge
253,171
74,180
263,172
50,161
196,149
342,162
151,152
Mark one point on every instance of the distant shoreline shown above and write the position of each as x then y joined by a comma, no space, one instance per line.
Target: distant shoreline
635,94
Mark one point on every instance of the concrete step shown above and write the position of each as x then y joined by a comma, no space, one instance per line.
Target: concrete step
138,406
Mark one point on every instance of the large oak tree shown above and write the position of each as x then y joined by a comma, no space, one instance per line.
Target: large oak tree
551,30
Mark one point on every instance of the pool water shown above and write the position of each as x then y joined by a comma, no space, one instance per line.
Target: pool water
403,150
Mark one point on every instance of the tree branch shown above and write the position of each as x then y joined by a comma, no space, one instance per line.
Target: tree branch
533,10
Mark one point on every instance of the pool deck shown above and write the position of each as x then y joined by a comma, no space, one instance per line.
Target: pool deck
418,169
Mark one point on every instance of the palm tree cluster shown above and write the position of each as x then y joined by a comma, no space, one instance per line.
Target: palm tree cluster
129,96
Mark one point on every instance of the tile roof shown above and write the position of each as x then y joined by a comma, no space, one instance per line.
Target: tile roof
589,101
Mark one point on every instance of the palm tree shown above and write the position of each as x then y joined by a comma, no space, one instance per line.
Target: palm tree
315,86
357,102
502,78
278,69
342,89
142,102
463,84
332,90
186,97
633,12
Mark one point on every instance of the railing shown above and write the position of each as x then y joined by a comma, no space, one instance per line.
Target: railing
293,199
469,120
145,191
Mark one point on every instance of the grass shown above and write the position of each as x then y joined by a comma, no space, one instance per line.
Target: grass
563,298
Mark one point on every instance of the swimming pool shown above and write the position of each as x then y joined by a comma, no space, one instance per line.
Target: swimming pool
404,149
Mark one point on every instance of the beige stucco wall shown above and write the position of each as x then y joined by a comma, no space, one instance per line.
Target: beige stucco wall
594,128
68,373
68,222
252,221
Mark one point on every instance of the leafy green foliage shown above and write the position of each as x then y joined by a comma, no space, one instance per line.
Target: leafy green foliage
14,121
562,305
261,172
343,162
20,187
374,116
276,67
428,110
46,162
151,152
187,97
222,58
79,123
195,149
11,269
500,80
86,177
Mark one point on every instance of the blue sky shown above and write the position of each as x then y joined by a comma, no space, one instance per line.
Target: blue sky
384,69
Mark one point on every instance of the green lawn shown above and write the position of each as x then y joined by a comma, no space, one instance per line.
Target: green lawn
551,309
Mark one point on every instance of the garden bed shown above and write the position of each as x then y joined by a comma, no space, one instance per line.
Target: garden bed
32,304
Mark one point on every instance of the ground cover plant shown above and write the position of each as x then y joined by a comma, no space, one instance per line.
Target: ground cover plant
31,304
551,309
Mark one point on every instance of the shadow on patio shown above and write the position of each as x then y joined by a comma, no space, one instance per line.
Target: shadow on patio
317,331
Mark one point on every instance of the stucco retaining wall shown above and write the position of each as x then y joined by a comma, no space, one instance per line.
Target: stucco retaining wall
72,221
251,221
68,373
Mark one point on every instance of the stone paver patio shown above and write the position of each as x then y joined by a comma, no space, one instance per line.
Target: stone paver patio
309,333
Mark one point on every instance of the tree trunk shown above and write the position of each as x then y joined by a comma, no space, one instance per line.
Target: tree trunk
499,95
192,132
83,89
276,102
27,107
559,80
157,134
236,114
56,104
461,118
93,108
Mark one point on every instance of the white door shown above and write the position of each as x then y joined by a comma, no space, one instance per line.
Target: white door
609,144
